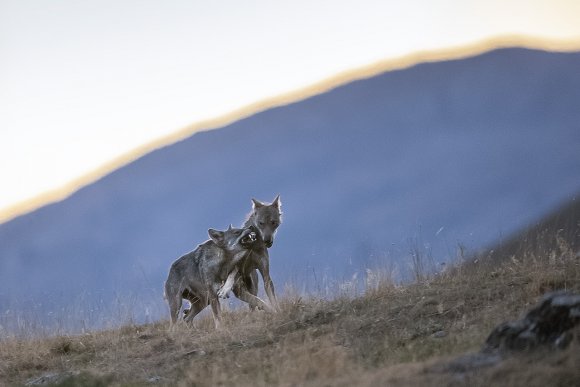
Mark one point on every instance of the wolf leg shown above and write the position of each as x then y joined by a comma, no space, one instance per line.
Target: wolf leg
255,302
174,302
269,288
264,269
216,309
250,282
197,305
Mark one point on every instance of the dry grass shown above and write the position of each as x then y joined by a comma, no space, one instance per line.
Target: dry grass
391,335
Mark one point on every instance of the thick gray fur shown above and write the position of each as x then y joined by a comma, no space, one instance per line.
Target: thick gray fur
265,219
197,275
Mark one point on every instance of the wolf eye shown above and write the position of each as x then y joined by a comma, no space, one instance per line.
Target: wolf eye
261,223
237,232
274,223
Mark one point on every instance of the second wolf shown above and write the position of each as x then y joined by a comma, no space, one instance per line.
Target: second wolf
197,275
265,218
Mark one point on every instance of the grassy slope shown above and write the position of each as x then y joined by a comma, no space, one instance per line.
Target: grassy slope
387,336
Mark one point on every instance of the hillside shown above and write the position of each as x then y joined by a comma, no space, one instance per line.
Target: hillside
429,158
392,335
538,238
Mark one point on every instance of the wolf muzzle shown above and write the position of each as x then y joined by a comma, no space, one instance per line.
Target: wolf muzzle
249,238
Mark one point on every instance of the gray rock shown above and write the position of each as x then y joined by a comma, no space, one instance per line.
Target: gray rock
154,379
547,325
50,378
439,334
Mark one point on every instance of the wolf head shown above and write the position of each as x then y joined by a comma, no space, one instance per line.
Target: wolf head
233,239
265,218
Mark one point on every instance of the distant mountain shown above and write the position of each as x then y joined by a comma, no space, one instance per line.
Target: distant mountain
439,154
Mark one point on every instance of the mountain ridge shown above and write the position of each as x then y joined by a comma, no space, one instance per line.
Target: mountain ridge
325,85
430,156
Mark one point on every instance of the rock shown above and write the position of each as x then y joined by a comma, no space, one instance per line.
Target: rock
546,325
194,352
439,334
50,378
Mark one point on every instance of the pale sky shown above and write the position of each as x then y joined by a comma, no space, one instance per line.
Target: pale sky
83,82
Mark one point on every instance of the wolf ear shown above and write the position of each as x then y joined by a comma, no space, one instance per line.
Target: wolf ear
277,203
216,236
230,227
257,203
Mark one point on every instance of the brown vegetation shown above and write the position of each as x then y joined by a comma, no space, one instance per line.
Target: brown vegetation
393,334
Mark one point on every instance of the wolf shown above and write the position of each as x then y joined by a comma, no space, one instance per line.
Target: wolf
198,275
265,219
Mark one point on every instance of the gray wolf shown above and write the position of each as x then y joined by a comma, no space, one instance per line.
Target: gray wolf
198,275
265,219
